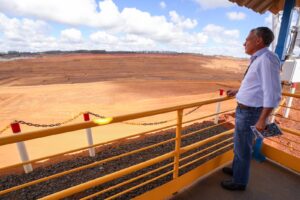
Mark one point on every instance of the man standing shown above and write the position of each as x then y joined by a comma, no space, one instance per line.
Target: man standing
259,93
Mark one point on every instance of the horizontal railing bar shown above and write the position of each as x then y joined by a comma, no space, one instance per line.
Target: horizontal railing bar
196,160
290,107
142,184
292,131
104,143
286,118
92,183
81,168
204,129
202,150
203,142
126,182
208,116
291,95
85,148
89,124
278,142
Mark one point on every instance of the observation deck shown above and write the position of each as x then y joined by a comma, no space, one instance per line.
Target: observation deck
155,164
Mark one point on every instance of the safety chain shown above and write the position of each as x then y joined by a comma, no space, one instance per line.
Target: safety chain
96,115
48,125
192,111
4,129
148,123
161,122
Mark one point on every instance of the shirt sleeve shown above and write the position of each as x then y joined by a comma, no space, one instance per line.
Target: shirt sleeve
270,79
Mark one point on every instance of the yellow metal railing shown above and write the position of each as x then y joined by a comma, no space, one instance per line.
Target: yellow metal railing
100,122
179,161
175,154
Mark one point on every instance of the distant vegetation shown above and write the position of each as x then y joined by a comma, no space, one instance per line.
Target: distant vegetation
14,54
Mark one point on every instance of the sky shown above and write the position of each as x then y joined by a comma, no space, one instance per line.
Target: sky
211,27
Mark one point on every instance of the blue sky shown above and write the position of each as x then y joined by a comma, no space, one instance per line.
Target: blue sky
213,27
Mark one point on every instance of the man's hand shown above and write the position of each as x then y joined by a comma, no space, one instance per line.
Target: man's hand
260,125
231,93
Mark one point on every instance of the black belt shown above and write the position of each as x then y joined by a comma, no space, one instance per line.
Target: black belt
242,106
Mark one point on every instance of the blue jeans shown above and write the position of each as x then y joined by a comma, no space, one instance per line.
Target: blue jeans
243,139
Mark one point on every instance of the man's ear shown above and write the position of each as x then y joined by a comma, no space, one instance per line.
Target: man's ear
259,41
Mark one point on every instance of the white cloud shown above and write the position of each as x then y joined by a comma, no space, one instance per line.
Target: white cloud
71,35
211,4
135,40
162,5
181,22
20,34
103,37
108,18
220,34
127,29
236,15
73,12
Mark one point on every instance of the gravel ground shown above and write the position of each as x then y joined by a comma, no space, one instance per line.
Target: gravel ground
57,184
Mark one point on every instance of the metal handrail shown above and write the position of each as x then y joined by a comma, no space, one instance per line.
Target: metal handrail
204,129
110,120
202,150
126,182
100,122
84,186
115,140
206,155
81,167
291,95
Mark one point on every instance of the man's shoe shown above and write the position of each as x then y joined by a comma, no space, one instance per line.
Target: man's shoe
230,185
228,170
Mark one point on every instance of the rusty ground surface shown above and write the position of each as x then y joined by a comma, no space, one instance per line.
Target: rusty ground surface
52,89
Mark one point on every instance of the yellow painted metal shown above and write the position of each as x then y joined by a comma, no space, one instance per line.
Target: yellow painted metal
203,142
177,143
281,157
85,148
103,143
126,182
89,124
81,168
292,131
206,155
140,185
287,118
282,144
204,129
207,116
166,190
291,95
210,147
84,186
290,107
280,105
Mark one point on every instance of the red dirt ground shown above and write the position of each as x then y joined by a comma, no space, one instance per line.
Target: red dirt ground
51,89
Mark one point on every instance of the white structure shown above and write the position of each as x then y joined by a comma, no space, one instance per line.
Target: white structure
291,71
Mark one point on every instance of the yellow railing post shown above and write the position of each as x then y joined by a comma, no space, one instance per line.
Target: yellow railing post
177,143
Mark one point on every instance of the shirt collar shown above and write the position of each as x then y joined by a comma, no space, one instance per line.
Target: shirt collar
258,53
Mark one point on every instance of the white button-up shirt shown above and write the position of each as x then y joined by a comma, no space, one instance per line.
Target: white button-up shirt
261,86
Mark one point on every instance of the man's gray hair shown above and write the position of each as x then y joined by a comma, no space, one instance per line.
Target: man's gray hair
265,33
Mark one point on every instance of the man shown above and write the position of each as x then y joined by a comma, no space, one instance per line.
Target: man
259,93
